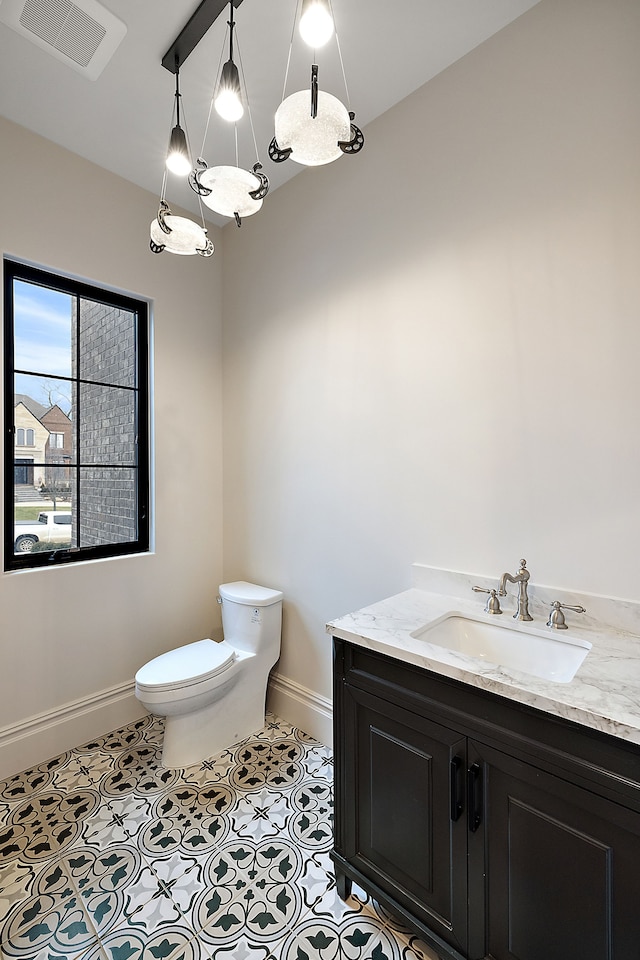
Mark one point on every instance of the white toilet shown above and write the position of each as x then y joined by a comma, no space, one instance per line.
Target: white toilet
213,694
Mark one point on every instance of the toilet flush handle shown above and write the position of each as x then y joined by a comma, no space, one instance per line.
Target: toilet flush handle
219,599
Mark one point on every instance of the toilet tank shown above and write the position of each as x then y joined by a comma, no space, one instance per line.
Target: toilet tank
252,617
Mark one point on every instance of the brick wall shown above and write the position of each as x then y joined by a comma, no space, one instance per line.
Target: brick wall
106,414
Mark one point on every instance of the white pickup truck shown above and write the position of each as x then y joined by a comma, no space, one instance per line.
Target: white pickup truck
52,526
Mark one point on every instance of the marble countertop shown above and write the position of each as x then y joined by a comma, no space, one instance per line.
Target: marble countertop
604,693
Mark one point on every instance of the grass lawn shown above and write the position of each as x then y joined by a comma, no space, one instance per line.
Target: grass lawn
31,513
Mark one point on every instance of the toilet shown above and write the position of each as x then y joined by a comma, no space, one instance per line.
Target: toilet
213,694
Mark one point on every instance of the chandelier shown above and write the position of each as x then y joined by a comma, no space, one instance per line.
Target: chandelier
312,127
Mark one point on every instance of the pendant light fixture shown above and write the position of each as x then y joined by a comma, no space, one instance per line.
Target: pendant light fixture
178,160
167,232
228,100
312,126
230,190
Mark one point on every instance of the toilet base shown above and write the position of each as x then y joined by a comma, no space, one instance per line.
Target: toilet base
193,737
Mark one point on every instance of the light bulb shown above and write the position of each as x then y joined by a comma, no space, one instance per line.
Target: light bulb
178,161
229,106
179,164
316,23
228,101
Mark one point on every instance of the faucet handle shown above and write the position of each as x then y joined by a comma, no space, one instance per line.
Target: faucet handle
556,617
493,604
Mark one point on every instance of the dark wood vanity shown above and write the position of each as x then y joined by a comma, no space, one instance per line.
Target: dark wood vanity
493,829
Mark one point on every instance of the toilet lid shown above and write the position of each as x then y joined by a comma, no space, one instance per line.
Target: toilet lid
249,594
186,665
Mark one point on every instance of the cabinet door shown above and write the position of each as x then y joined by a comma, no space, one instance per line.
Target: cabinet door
563,868
404,803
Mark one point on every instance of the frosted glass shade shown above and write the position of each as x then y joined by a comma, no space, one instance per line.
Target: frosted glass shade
185,239
313,140
230,188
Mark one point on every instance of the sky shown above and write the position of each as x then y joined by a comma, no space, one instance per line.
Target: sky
42,322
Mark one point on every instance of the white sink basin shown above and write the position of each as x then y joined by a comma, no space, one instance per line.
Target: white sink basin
548,655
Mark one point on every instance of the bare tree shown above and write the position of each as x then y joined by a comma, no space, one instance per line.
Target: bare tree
56,393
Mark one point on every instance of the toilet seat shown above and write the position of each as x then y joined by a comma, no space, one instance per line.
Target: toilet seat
185,666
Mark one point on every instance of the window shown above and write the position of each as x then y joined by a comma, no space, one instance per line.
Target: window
76,369
63,518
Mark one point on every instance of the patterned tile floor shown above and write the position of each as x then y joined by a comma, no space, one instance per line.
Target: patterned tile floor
107,855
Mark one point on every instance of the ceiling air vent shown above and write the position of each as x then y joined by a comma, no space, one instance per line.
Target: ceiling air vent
83,35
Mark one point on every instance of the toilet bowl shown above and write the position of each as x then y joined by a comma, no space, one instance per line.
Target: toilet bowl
213,694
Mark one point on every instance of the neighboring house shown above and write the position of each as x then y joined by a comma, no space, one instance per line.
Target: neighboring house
58,449
43,440
31,440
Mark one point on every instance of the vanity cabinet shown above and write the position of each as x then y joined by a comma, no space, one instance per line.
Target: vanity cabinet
493,829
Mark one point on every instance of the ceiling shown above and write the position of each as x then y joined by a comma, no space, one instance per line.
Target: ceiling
122,119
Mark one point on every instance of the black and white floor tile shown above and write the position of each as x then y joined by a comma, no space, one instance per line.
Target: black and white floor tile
107,855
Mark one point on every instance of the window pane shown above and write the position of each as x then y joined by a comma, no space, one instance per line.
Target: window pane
42,329
37,464
76,447
107,344
108,506
107,425
57,486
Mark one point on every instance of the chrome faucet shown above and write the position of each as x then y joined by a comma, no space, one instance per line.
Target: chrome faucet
522,579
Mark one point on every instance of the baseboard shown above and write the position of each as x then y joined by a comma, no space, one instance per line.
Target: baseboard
302,707
32,741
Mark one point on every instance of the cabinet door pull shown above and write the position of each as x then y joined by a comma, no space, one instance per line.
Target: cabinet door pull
455,791
474,788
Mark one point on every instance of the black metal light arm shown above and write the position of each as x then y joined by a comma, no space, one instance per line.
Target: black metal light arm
193,32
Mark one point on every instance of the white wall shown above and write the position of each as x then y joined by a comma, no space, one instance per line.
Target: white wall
430,354
72,638
431,350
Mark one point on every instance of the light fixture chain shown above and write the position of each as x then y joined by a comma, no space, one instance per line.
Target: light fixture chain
253,132
293,30
213,93
344,76
231,23
201,212
206,129
246,97
177,92
186,133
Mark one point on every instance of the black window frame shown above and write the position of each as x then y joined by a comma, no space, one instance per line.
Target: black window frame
17,270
